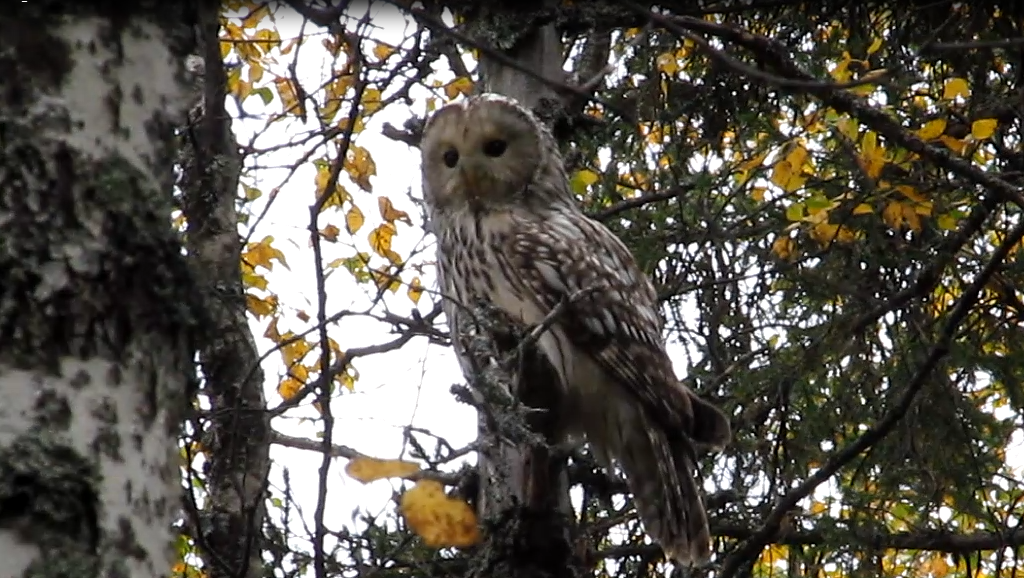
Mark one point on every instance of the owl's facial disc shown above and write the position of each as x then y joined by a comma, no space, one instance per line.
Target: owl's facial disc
480,168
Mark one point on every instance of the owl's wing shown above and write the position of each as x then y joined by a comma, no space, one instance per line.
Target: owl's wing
614,316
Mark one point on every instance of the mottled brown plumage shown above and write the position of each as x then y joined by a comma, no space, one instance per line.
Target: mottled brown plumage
511,234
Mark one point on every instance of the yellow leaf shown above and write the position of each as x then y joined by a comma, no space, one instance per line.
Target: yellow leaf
783,247
667,63
354,219
849,127
932,129
371,101
955,87
955,145
255,72
937,566
826,233
389,213
757,193
946,222
415,290
753,162
982,129
367,469
260,307
863,209
872,155
360,166
330,232
293,352
263,253
774,553
289,388
346,380
797,157
461,85
910,217
587,177
383,51
818,508
380,238
782,172
384,279
439,520
267,39
875,46
254,17
892,214
289,102
322,179
251,279
911,193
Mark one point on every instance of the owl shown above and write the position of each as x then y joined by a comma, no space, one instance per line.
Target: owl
511,234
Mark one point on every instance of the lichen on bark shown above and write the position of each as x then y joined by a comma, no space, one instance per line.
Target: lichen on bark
97,309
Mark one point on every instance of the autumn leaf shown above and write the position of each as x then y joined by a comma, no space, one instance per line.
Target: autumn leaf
330,233
380,238
582,179
289,101
354,219
289,388
955,87
389,213
826,233
892,214
782,174
371,101
872,155
322,180
783,247
294,350
932,129
875,45
946,222
461,85
263,253
439,520
953,144
984,128
863,209
260,307
774,553
360,167
367,469
667,63
383,51
415,290
384,279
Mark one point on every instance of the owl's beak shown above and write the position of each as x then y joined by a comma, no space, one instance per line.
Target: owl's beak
475,180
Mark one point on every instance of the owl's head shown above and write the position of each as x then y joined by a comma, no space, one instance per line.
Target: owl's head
486,152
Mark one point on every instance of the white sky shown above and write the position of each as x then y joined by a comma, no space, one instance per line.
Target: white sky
409,386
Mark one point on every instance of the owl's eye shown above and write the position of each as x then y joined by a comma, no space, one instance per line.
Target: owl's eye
451,158
495,147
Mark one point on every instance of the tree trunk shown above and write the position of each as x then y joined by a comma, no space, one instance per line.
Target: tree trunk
237,438
96,304
524,491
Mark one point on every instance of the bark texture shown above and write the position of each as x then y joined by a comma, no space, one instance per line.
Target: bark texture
524,491
96,303
237,433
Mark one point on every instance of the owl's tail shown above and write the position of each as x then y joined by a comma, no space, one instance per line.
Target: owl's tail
661,476
661,473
